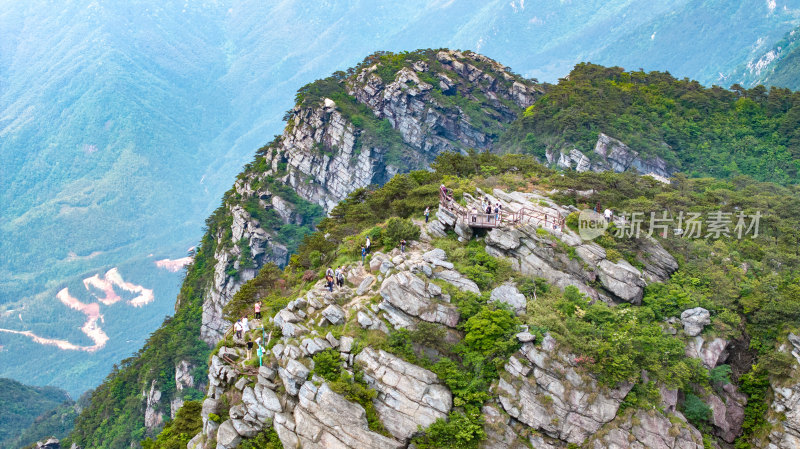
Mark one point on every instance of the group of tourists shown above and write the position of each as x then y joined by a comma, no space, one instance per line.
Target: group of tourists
241,328
334,277
488,209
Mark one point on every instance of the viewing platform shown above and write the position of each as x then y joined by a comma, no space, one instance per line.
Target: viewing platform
476,219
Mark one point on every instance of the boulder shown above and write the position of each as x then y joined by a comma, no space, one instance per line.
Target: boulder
293,376
324,419
267,398
365,285
408,395
504,238
622,279
434,254
552,397
694,320
413,296
334,314
227,436
346,344
508,294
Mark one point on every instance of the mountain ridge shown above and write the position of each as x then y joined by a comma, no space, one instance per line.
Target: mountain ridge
260,221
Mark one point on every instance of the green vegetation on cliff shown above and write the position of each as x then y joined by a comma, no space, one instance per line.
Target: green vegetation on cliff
748,285
698,130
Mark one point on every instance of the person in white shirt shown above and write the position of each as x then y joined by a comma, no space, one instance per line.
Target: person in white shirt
608,214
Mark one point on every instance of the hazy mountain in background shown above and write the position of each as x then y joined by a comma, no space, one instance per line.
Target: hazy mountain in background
778,65
122,123
25,406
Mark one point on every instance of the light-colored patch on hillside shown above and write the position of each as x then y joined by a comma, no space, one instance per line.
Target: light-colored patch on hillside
174,265
113,279
107,284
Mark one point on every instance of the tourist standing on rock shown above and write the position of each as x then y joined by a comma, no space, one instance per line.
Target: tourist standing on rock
474,215
427,213
329,278
608,214
237,328
368,244
363,253
257,309
249,348
260,354
340,277
245,324
403,246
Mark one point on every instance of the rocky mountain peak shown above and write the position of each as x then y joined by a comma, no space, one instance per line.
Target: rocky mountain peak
390,114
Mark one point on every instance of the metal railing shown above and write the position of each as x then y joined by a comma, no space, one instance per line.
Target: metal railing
483,220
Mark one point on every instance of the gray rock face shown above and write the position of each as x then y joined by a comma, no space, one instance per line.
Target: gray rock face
622,279
499,435
413,296
152,415
457,279
646,430
183,375
324,419
550,396
293,376
50,443
727,412
712,353
785,433
508,294
534,253
694,320
408,396
612,155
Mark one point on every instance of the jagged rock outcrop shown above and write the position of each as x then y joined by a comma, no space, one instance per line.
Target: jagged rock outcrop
323,155
152,414
50,443
532,247
727,412
547,393
303,408
426,126
784,412
712,352
413,296
408,396
647,430
610,154
324,419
